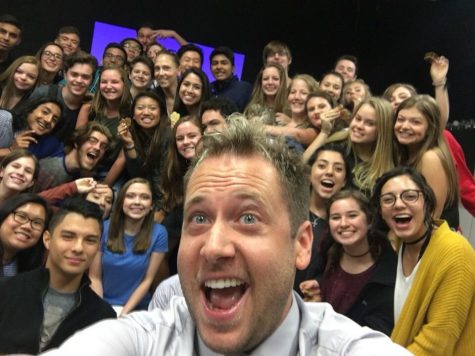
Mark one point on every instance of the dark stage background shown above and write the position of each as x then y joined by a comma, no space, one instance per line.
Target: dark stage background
389,37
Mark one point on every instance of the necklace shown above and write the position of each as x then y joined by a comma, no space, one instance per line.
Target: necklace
355,256
427,233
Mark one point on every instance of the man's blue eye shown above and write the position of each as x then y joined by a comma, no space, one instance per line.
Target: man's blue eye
248,219
199,219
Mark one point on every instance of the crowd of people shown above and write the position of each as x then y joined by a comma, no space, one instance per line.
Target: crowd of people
288,216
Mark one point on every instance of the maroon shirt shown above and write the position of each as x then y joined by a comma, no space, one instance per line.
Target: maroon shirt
341,289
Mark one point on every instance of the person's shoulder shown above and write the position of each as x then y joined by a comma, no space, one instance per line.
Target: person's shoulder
330,333
159,229
451,241
95,305
26,280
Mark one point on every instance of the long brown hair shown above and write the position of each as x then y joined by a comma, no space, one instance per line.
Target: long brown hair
115,241
175,169
434,140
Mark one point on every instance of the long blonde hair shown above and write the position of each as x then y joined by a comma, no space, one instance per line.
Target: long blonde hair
366,173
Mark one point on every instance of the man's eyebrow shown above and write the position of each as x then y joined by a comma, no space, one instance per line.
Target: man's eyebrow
194,201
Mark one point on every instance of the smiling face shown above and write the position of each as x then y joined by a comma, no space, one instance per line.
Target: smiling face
363,128
153,51
270,81
145,36
72,245
18,174
332,85
52,59
237,257
137,201
298,94
111,85
69,42
16,237
405,220
78,78
213,121
190,59
410,127
316,106
191,90
348,223
347,69
133,50
279,57
92,150
146,112
355,92
10,36
113,57
44,118
140,76
187,138
398,96
221,67
25,76
328,174
166,71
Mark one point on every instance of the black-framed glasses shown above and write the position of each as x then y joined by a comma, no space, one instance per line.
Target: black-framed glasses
408,196
22,218
51,55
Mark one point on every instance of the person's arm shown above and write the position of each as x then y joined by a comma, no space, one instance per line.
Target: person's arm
305,136
431,163
95,274
60,192
115,170
142,289
170,34
327,126
83,116
438,72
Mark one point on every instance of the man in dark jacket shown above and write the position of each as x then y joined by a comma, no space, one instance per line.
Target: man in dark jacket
227,85
42,308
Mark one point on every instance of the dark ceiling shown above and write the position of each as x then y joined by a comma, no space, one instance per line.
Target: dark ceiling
389,37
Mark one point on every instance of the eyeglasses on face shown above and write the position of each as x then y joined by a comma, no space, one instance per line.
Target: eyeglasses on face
132,47
51,55
408,196
22,218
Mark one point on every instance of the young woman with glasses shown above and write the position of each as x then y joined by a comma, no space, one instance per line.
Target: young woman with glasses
50,56
434,304
23,219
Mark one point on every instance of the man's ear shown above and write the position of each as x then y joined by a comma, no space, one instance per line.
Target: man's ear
46,239
1,172
303,245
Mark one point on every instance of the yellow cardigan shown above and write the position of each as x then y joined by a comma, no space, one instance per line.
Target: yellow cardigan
438,317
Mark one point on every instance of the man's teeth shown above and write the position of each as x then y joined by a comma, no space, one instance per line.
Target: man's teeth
223,283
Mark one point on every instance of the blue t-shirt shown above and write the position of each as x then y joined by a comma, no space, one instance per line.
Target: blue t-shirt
122,273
